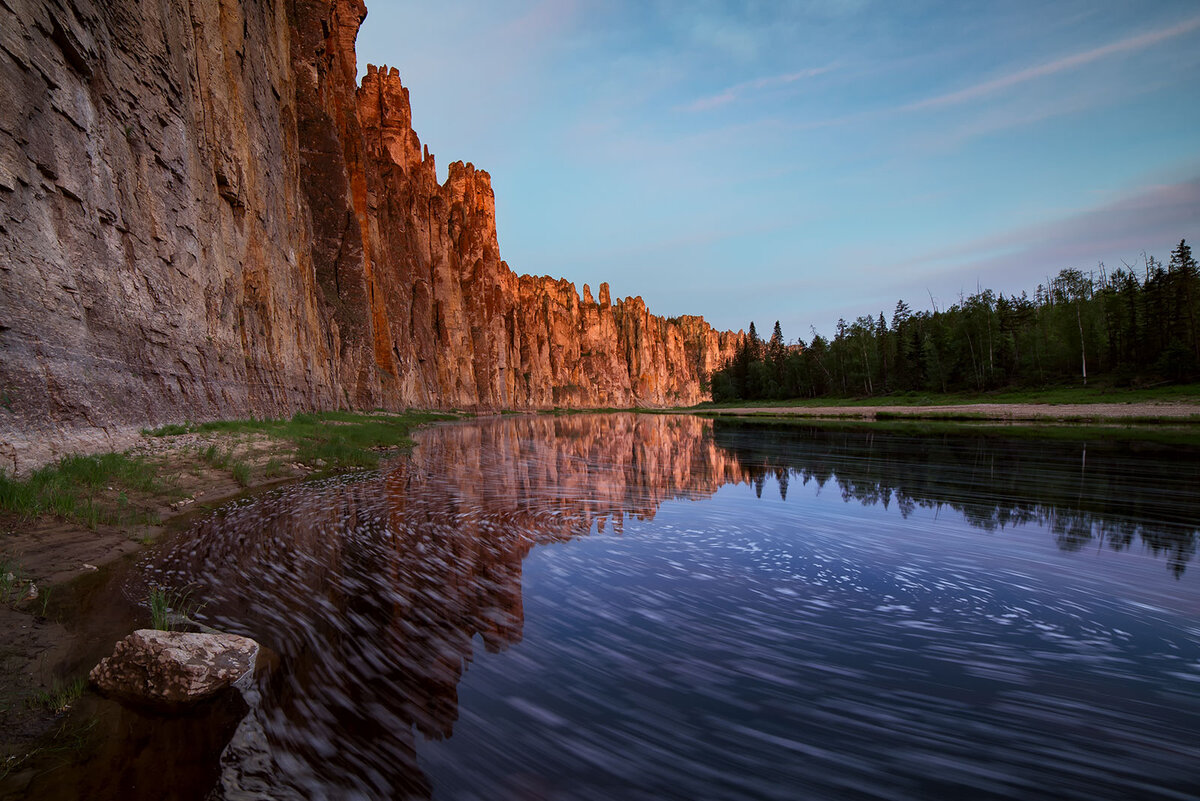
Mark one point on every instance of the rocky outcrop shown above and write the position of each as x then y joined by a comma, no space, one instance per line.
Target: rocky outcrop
203,215
173,668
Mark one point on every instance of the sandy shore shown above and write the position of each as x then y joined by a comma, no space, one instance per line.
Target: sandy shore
1114,412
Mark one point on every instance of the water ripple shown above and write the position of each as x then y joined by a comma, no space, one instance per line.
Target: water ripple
612,606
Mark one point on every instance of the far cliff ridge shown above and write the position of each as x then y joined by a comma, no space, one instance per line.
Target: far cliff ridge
205,216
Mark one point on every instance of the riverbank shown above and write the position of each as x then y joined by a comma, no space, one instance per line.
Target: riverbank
1174,412
63,525
1063,404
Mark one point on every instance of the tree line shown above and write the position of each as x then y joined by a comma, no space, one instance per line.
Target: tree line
1123,327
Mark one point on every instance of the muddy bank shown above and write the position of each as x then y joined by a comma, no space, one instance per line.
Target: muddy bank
54,622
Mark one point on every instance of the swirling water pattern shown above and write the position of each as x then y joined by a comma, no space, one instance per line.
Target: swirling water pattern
631,606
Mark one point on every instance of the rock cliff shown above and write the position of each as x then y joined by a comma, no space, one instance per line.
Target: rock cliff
202,215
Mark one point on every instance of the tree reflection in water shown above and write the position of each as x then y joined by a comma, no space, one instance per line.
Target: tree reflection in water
1109,491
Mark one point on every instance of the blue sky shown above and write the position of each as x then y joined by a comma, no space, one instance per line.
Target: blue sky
810,160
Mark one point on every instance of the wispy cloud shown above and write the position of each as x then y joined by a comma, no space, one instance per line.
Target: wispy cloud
1070,62
1152,217
1027,112
739,91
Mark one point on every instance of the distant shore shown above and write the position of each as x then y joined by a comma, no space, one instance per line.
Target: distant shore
1132,412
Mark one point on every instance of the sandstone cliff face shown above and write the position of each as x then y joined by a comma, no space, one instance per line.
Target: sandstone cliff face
202,215
155,253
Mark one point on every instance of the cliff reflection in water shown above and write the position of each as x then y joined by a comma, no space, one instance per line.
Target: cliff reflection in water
372,592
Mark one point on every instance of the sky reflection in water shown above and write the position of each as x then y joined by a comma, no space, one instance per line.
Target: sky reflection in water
917,618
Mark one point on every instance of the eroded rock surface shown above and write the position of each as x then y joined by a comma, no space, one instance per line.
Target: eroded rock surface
173,668
202,215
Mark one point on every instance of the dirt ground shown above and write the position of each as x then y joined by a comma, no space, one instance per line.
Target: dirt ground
992,411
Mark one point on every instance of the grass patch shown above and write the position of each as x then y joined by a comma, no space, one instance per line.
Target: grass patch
168,430
240,472
169,608
121,489
70,488
274,468
71,739
44,602
326,440
58,699
216,457
225,459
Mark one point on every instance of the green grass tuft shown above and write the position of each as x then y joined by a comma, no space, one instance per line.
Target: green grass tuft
58,699
274,468
169,607
69,487
241,473
169,430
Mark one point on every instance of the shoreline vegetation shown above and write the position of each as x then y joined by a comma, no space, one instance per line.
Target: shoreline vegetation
1165,414
1047,396
123,489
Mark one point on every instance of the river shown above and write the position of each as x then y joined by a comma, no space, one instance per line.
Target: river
647,606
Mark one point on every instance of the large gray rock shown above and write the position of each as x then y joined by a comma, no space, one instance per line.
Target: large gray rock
173,668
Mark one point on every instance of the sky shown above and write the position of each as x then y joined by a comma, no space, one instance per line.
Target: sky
811,160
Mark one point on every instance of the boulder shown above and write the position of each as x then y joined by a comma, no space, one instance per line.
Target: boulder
173,668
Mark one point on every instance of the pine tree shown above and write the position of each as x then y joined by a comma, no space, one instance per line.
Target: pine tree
1185,280
1181,259
776,347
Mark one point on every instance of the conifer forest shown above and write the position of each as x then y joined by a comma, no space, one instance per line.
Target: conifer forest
1130,326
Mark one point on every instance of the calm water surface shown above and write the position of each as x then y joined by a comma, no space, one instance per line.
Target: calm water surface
620,606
